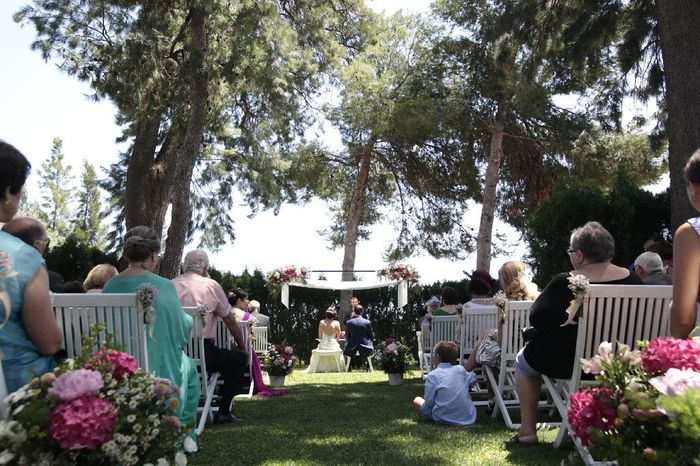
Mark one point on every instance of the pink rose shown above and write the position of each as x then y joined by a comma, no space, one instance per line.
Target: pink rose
288,350
75,384
85,422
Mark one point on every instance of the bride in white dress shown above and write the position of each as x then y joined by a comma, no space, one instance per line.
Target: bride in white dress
328,356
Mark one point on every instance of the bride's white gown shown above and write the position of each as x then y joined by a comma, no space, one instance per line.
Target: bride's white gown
327,357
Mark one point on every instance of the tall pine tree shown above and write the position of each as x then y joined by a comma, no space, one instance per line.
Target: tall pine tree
88,222
55,180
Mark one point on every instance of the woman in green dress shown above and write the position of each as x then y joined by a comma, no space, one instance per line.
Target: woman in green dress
172,325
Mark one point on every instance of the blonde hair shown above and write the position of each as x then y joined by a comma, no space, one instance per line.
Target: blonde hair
515,281
99,275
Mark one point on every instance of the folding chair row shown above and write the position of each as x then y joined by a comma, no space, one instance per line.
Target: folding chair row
624,314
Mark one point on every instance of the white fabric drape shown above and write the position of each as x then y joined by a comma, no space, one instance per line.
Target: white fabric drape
346,285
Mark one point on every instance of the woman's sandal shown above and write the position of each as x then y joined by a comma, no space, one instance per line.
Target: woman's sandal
515,440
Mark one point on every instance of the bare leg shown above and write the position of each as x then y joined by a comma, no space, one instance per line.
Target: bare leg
529,393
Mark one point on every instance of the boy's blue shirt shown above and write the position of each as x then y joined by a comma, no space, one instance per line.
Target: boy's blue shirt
446,396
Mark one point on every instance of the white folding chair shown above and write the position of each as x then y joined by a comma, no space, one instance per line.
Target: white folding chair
195,350
224,339
260,342
474,321
517,317
348,360
424,355
3,393
444,328
119,312
614,313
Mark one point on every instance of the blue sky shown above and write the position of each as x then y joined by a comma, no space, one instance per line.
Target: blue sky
40,103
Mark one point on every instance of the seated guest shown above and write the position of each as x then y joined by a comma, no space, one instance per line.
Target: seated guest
450,300
358,338
195,288
665,250
254,309
650,268
98,276
172,327
424,324
515,282
551,349
481,289
29,332
446,399
238,298
74,286
33,232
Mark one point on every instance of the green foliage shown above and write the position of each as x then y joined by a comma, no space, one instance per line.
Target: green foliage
73,258
598,156
631,214
88,222
685,418
55,182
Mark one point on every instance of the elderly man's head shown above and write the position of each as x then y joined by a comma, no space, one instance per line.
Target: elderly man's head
648,263
196,261
29,230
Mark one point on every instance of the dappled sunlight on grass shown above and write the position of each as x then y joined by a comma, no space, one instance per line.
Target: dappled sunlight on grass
358,418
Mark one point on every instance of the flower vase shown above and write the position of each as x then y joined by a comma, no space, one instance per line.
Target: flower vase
395,379
277,381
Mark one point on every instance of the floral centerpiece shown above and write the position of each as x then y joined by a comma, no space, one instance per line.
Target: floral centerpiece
286,274
647,407
278,362
392,356
398,272
98,410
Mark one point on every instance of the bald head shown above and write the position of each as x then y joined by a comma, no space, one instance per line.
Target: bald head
29,230
196,261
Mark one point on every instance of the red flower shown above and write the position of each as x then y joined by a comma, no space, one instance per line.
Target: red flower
591,408
121,364
86,422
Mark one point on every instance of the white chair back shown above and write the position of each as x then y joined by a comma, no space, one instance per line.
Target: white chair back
260,343
195,350
443,328
475,321
3,393
119,312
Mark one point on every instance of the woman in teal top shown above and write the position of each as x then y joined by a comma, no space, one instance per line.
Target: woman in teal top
172,325
29,333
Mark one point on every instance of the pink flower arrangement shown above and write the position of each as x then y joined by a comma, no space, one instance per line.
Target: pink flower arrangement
389,341
288,350
121,364
75,384
398,272
591,408
666,353
286,274
85,422
279,363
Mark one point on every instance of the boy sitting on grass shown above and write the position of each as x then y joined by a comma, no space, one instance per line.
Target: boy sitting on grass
447,399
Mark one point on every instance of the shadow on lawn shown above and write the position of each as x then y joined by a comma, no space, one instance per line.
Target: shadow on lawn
355,422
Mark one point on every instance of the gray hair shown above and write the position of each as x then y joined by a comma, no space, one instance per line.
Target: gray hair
649,261
195,261
594,241
253,304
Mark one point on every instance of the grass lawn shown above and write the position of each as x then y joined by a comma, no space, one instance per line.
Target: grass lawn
358,418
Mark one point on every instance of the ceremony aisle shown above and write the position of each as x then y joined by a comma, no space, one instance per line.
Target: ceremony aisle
358,418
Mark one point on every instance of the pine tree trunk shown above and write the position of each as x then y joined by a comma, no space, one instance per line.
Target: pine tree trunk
147,182
680,43
355,213
488,209
187,153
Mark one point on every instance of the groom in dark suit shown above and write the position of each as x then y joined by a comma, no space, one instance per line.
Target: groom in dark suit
358,337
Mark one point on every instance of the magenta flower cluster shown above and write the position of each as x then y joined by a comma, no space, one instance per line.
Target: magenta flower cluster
666,353
85,422
589,409
121,364
75,384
